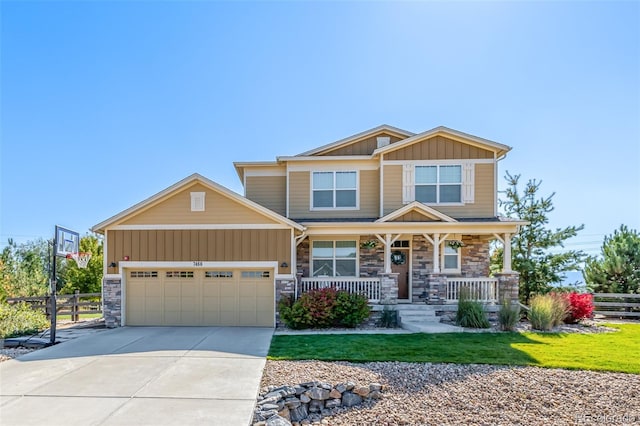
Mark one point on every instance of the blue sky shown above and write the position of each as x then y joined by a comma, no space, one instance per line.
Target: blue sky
104,104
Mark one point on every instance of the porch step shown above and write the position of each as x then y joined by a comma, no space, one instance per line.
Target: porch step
416,315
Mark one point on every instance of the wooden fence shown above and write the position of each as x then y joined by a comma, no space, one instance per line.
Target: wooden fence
76,304
617,305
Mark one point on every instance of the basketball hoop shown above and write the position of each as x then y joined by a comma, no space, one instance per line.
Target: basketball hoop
82,259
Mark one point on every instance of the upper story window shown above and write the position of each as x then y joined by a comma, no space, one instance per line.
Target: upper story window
332,190
438,184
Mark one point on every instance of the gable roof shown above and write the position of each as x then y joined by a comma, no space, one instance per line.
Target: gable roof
417,207
357,137
188,181
498,148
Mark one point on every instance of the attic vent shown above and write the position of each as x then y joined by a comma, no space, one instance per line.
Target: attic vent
197,201
383,141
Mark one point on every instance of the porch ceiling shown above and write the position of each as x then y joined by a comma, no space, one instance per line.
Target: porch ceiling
367,228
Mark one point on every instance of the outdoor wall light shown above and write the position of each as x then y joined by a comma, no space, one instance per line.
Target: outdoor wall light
113,265
284,265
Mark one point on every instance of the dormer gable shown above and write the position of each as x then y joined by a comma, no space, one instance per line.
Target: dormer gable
363,143
416,212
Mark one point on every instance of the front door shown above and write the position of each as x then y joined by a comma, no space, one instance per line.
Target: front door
400,265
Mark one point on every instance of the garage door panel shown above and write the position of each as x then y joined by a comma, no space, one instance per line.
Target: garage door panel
224,297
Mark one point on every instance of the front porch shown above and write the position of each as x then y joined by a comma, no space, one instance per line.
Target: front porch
408,268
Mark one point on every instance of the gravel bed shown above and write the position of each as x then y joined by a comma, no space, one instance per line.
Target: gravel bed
9,353
451,394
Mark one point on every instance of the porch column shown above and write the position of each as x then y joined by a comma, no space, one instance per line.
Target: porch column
387,254
506,257
436,253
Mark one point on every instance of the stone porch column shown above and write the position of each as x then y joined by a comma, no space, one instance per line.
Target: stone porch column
389,288
508,286
437,289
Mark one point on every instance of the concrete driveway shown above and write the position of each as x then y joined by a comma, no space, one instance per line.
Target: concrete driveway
138,376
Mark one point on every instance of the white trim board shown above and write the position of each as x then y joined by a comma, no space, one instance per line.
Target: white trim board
197,226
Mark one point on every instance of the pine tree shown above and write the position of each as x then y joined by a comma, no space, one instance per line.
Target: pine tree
532,248
618,268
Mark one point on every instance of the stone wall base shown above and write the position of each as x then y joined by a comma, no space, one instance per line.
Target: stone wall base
112,302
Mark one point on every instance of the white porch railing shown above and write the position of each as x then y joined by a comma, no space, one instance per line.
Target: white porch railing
482,289
370,287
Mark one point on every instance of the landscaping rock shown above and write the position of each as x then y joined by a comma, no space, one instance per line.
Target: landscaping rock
335,393
309,402
363,391
349,399
277,421
318,393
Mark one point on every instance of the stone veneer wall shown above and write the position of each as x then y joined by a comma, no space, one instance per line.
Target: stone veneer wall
303,253
112,302
422,266
371,259
475,255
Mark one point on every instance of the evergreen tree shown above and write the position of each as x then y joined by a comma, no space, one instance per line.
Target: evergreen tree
532,248
618,268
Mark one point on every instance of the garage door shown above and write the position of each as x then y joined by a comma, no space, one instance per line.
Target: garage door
235,297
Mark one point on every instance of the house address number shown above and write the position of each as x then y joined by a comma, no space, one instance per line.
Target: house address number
197,263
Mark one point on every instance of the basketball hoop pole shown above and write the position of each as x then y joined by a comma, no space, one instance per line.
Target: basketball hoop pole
52,330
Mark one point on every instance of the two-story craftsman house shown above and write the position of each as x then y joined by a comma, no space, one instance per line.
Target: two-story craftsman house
404,218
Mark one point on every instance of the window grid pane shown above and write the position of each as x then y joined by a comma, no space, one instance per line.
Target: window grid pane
450,193
346,180
323,180
450,174
426,174
346,198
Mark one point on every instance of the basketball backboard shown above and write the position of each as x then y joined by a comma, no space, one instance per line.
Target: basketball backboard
67,242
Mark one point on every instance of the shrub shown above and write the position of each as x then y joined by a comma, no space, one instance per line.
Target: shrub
548,311
350,309
389,318
508,316
470,312
324,308
20,319
580,307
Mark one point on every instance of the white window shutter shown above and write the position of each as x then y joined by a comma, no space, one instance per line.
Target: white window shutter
468,184
408,188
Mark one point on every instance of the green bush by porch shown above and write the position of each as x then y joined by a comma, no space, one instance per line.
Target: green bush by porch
604,352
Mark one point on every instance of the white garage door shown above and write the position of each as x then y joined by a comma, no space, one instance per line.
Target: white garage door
236,297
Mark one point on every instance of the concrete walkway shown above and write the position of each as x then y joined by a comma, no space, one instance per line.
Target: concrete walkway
138,376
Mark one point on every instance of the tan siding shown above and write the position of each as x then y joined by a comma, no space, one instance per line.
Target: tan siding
438,148
363,147
234,245
177,210
392,188
300,193
484,196
483,186
269,191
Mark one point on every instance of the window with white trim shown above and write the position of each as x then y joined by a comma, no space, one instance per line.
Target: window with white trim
438,184
333,258
450,258
331,190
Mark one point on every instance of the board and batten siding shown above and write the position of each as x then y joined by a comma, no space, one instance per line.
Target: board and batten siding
483,188
438,148
221,245
219,209
300,197
363,147
414,216
268,191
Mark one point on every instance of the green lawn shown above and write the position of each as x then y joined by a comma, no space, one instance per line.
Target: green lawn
606,352
82,317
